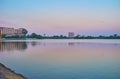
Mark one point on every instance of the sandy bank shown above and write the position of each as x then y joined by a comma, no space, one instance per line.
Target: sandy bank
6,73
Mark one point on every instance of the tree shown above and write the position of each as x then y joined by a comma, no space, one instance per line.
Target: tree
34,35
39,37
115,35
77,37
24,31
4,36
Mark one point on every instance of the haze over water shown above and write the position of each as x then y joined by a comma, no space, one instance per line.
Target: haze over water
63,59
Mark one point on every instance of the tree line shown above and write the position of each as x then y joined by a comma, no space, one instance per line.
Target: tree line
38,36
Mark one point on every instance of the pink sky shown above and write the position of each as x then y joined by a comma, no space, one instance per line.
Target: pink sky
60,17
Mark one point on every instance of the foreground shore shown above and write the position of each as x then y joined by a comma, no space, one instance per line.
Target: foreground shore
6,73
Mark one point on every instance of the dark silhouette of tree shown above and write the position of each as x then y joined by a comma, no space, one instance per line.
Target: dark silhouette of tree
4,36
24,31
34,35
115,35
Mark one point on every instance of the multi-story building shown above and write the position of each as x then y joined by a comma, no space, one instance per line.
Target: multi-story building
71,34
11,31
19,32
7,31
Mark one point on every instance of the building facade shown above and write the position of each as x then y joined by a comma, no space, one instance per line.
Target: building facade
11,31
71,34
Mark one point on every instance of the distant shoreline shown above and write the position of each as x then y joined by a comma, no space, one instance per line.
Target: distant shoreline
50,38
69,36
6,73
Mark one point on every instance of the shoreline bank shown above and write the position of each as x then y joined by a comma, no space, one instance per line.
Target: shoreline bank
7,73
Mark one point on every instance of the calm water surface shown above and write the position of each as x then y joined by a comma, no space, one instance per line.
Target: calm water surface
62,59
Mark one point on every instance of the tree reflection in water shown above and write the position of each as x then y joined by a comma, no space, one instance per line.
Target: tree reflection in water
11,46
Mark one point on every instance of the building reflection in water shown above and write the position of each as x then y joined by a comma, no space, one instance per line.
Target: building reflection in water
71,43
44,44
11,46
35,43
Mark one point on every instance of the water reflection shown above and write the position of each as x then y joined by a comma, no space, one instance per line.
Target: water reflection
71,43
11,46
46,59
22,45
48,44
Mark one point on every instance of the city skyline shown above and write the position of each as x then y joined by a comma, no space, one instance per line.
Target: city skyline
50,17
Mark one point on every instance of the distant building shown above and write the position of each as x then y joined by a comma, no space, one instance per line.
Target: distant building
12,32
71,34
7,31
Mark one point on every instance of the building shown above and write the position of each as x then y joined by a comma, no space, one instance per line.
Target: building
19,32
12,32
71,34
7,31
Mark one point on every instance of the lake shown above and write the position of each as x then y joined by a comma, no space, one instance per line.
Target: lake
63,59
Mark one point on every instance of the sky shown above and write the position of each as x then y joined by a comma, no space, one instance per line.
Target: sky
51,17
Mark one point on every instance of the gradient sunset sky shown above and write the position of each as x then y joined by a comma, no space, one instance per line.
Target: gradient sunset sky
84,17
